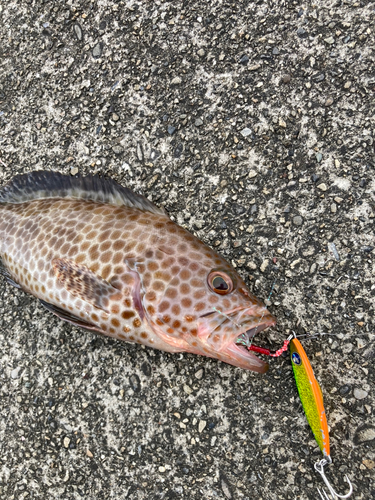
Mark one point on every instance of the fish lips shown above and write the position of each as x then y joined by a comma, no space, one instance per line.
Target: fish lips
239,355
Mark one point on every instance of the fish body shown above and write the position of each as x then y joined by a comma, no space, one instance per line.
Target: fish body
106,259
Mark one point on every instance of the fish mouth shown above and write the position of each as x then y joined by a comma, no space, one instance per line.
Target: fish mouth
246,337
237,352
226,335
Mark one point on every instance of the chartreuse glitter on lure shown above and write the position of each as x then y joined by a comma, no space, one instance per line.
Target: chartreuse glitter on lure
311,397
310,394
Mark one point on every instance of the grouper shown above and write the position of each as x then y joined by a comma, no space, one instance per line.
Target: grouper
107,259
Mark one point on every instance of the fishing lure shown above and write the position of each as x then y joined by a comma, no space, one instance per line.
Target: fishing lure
311,397
310,394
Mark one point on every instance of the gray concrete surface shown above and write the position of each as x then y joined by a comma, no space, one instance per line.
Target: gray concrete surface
253,124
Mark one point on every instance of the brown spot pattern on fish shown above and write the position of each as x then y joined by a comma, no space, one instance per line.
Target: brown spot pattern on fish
121,265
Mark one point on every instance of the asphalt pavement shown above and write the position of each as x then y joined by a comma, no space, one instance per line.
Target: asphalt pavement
252,123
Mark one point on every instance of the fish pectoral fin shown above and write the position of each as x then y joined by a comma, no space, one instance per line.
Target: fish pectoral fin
70,318
81,282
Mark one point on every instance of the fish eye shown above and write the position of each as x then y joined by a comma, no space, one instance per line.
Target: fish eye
220,282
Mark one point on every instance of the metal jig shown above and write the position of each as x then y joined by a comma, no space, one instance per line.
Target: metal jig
312,401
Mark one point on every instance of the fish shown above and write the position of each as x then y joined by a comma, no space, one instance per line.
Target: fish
108,260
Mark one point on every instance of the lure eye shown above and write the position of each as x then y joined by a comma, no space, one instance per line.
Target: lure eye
220,282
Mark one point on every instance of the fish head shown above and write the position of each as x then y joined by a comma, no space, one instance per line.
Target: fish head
203,306
238,316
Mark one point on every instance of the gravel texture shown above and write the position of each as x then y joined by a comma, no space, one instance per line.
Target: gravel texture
253,124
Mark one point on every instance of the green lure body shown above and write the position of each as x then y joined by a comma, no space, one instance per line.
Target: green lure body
311,395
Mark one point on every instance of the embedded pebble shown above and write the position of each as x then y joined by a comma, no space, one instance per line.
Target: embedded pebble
117,149
344,390
66,442
176,80
333,249
135,382
78,32
16,372
245,132
302,33
226,490
297,220
319,78
364,434
201,426
199,374
264,265
360,343
360,393
187,389
322,186
97,50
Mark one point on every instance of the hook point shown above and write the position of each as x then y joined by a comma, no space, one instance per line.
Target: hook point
319,467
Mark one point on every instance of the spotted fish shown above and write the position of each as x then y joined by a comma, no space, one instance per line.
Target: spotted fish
106,259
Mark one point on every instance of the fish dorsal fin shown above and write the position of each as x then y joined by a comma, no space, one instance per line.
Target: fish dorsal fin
44,184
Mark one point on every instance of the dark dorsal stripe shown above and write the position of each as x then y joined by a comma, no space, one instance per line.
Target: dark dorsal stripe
44,184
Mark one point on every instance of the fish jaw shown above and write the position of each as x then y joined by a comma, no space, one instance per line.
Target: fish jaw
240,355
237,355
228,333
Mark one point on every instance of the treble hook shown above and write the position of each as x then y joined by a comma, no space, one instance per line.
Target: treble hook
319,467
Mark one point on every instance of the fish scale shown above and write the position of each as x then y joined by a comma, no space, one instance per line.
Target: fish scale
104,258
